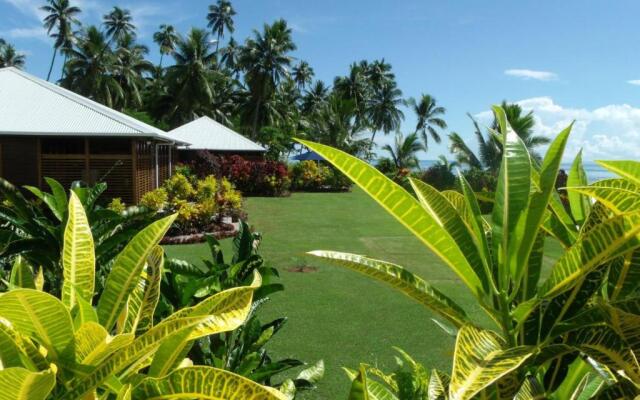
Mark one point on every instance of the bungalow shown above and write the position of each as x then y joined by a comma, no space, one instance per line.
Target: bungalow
49,131
205,134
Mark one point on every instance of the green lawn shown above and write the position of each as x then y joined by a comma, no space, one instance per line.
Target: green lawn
336,314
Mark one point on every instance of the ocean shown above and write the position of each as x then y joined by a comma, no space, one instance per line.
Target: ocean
594,171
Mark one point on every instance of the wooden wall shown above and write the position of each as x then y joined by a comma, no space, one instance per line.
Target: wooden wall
19,160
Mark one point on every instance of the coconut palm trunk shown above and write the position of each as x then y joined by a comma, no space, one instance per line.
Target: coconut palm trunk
53,60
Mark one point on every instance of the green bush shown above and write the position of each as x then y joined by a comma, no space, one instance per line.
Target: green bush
312,176
567,332
155,200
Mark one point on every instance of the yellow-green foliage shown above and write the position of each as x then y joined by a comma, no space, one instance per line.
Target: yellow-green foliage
117,205
207,209
207,188
232,199
155,199
186,210
179,187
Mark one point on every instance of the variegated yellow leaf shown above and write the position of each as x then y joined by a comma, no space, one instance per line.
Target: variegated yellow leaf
403,280
203,383
619,195
21,274
126,270
627,169
22,384
78,255
480,359
405,208
144,298
43,317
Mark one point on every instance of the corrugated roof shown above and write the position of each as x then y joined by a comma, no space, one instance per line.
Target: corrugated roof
207,134
32,106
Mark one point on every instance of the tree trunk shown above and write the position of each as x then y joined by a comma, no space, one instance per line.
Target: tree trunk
161,55
373,138
53,60
217,45
64,64
254,129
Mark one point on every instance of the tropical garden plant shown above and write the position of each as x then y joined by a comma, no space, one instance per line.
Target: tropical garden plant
243,351
35,229
67,348
569,331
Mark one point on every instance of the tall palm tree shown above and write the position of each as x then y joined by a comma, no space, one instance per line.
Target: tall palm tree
404,152
9,57
229,56
118,23
354,86
265,60
90,69
60,15
189,80
303,74
316,95
383,110
129,70
379,73
166,38
220,17
429,118
489,153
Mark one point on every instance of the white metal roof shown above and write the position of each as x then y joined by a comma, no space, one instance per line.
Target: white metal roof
32,106
207,134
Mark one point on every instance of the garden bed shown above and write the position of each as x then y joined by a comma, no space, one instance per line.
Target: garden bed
224,231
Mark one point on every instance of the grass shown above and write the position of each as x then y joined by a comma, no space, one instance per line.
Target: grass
336,314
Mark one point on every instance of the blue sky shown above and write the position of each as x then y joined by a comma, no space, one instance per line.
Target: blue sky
565,60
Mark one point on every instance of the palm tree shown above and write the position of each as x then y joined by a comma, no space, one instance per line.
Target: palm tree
129,70
315,96
61,16
354,86
429,118
166,38
90,69
265,60
378,73
489,153
220,17
302,74
189,80
118,23
229,56
404,152
383,110
9,57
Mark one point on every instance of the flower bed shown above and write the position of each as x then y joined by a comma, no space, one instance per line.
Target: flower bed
310,176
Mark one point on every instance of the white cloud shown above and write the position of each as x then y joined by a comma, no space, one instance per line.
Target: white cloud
608,132
30,7
634,82
35,32
532,74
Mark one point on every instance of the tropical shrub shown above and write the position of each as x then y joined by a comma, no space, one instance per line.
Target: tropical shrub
440,176
244,351
34,229
200,204
67,348
264,178
569,332
312,176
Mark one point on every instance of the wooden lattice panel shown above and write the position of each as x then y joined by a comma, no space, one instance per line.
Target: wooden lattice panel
64,170
117,173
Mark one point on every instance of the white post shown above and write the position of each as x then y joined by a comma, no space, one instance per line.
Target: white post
170,151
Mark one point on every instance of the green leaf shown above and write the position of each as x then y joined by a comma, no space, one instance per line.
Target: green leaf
222,312
403,280
22,384
603,242
10,356
511,200
359,388
624,276
438,385
480,359
405,208
203,383
627,169
43,317
312,374
578,203
144,298
21,274
619,195
59,196
126,271
447,217
78,258
529,227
